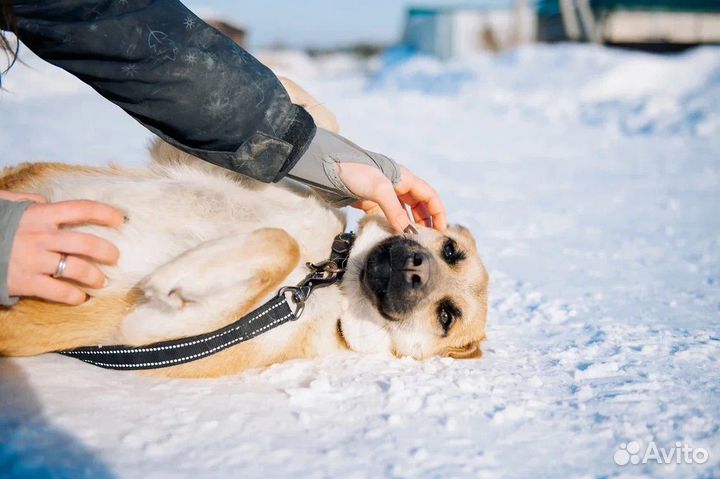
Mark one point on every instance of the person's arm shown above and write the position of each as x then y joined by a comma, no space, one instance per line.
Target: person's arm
10,214
202,93
181,78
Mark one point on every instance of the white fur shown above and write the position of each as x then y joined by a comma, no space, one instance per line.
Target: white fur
182,243
366,330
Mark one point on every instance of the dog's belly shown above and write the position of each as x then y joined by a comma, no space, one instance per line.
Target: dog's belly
172,213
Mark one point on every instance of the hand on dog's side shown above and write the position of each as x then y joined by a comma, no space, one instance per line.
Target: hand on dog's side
40,243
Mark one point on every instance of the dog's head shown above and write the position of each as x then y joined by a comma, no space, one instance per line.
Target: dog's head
416,295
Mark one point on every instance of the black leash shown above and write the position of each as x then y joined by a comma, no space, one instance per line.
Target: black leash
270,315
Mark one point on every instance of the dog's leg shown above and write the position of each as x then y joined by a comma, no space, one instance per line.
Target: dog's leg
197,291
323,117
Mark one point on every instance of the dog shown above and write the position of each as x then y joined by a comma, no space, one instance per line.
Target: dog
203,246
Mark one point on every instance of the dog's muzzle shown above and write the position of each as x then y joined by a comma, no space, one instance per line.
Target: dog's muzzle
397,275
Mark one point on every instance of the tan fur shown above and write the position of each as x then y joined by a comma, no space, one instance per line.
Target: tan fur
35,327
469,351
26,176
323,117
282,256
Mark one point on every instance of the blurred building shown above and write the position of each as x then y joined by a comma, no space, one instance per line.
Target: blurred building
457,31
448,32
631,22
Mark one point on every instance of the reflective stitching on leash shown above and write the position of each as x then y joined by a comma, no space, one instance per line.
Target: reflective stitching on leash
193,356
182,345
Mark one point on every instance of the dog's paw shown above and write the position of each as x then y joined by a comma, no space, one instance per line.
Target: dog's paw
238,262
168,294
197,275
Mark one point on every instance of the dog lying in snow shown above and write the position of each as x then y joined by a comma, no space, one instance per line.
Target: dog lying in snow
204,246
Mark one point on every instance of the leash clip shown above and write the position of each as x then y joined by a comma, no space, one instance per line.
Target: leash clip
297,296
321,274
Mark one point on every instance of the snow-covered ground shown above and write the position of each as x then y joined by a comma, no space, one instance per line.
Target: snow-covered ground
591,179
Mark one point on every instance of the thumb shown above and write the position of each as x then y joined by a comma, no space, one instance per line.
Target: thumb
391,207
368,183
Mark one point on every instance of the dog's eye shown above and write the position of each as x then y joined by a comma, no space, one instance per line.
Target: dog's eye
448,313
445,317
450,252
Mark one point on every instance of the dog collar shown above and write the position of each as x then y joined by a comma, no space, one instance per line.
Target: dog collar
271,314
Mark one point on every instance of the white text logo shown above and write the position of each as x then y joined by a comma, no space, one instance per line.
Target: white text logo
629,453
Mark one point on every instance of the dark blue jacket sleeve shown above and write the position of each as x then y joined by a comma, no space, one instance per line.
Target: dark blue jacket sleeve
181,78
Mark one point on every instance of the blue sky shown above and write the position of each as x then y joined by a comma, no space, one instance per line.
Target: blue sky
320,23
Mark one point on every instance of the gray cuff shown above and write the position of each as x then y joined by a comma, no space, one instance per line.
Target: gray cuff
10,214
316,168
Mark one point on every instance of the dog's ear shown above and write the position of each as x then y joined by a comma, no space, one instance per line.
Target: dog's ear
464,232
469,351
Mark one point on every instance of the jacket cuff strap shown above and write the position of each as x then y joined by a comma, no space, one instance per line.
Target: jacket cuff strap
10,214
300,133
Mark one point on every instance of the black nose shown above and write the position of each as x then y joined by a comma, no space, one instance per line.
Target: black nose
397,275
417,270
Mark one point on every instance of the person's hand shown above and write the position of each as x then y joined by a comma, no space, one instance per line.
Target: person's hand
339,170
377,193
40,244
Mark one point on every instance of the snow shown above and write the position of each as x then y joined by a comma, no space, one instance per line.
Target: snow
590,178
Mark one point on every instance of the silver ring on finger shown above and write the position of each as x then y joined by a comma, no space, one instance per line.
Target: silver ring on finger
60,267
